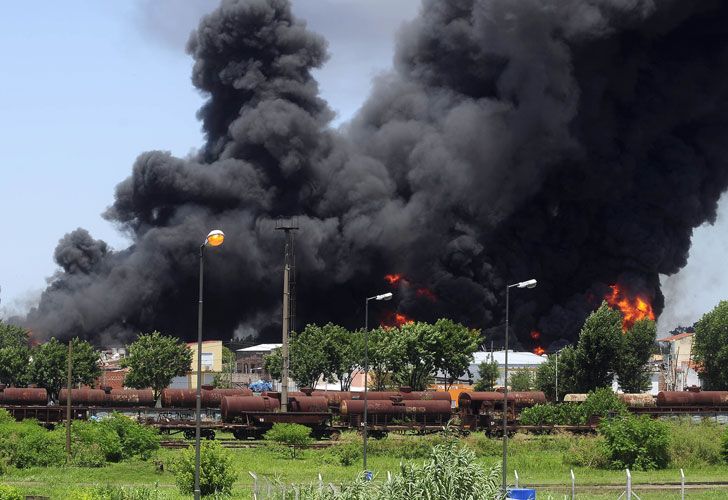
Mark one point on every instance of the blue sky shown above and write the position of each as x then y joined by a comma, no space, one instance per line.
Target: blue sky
86,86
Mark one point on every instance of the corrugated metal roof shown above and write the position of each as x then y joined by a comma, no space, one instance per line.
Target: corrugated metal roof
514,358
260,348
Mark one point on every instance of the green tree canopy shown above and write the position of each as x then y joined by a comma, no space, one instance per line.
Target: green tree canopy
49,368
154,360
308,359
13,336
599,343
344,352
710,348
631,365
382,358
413,351
521,380
456,346
545,379
488,372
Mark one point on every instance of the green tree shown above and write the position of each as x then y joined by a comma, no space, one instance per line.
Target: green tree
521,380
13,336
307,357
49,368
631,365
224,379
14,361
488,372
383,357
292,435
710,348
545,378
344,352
85,361
413,352
596,352
455,349
154,360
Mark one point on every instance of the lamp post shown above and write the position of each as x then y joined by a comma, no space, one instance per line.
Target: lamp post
382,296
214,239
523,284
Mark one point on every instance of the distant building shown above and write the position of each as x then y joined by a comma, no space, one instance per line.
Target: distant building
678,369
250,363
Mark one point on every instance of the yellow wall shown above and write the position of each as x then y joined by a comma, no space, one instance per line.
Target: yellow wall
211,351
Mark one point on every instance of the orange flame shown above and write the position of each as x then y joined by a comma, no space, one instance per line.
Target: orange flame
535,335
427,294
633,309
392,278
395,320
538,350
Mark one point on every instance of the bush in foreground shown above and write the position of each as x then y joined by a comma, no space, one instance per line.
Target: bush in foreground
10,493
449,473
694,444
636,442
27,444
291,435
216,469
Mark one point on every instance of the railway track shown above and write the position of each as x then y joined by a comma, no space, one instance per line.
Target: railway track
235,444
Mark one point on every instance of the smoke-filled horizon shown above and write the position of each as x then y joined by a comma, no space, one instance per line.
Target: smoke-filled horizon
575,143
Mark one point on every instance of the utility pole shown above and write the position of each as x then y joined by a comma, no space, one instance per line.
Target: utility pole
68,402
289,301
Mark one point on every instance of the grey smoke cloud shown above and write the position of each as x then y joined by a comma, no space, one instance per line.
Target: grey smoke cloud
575,142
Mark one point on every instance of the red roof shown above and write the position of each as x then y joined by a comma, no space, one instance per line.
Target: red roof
673,338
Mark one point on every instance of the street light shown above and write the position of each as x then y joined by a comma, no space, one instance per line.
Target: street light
214,239
382,296
523,284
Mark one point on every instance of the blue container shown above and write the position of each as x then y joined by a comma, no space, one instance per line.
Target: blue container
522,494
368,475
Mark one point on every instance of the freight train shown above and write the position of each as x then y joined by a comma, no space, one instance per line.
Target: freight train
246,415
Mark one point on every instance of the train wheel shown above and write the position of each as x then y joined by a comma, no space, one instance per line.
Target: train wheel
189,434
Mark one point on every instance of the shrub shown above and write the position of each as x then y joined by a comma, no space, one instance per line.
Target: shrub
724,446
291,435
88,455
8,492
109,492
5,417
544,414
92,440
694,444
27,444
602,403
216,469
587,452
640,443
135,439
347,454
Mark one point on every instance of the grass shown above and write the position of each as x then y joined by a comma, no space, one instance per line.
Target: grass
538,459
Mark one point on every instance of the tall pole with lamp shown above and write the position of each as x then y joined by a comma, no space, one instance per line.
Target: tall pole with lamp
382,296
523,284
214,239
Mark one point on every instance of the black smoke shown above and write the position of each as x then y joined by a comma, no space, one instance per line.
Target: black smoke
577,142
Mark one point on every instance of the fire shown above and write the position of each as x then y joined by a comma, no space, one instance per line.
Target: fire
393,320
633,309
535,335
538,350
426,293
392,279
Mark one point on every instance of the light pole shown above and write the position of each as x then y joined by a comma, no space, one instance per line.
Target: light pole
214,239
523,284
382,296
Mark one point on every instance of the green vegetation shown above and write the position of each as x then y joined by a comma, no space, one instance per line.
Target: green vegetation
295,436
154,360
545,379
49,365
224,379
709,348
488,372
631,364
636,442
409,355
597,348
521,380
216,469
599,404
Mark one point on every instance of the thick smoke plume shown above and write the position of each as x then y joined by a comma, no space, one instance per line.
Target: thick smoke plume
577,142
